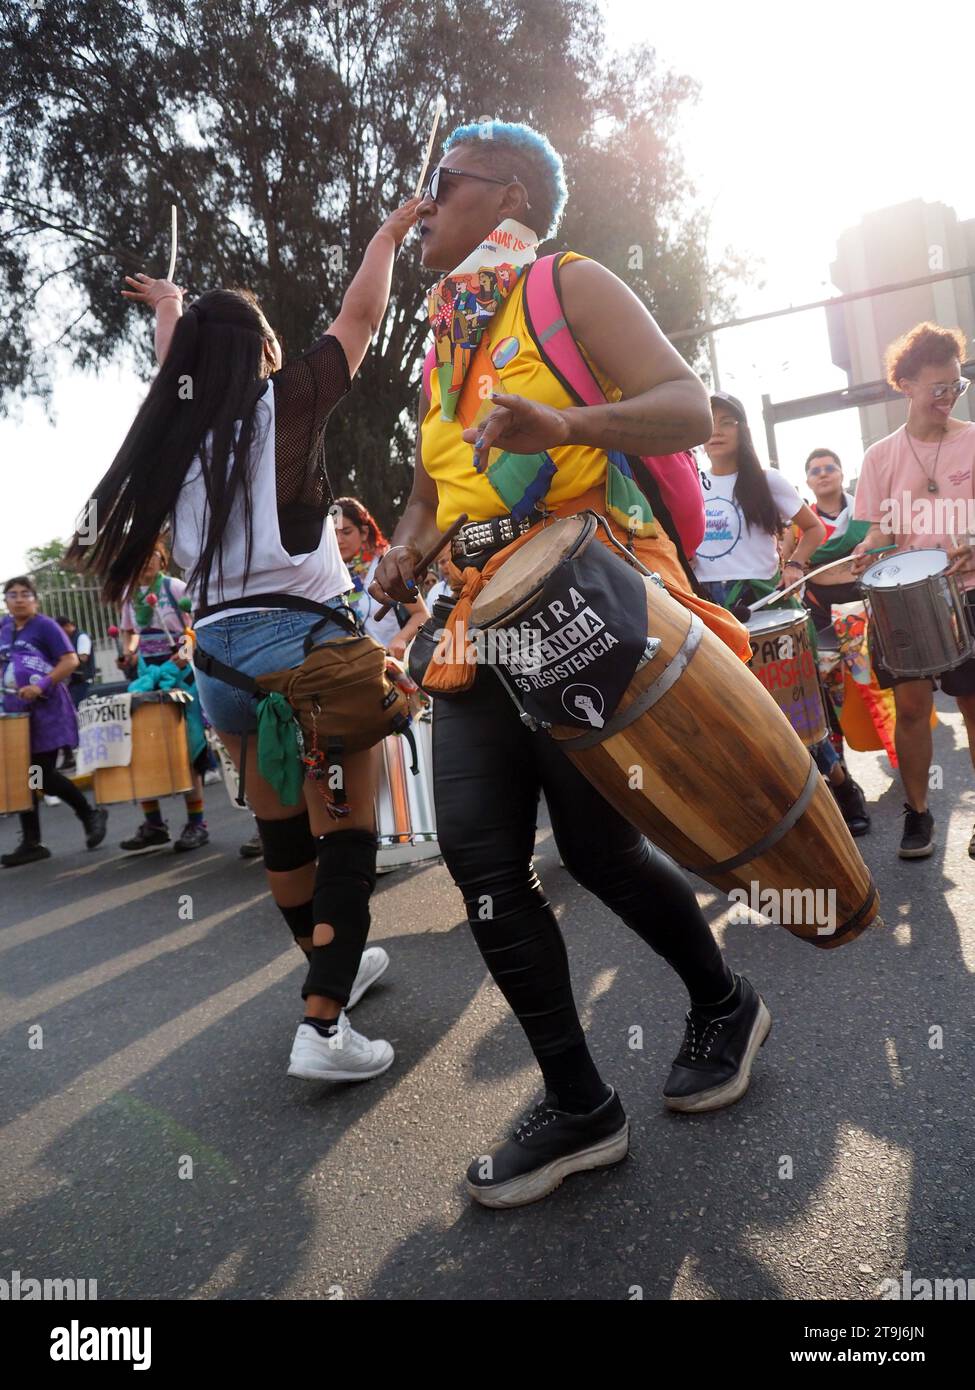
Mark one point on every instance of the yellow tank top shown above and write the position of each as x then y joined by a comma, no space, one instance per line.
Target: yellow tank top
515,363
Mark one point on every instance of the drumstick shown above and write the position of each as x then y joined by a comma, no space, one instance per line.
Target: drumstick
429,557
440,108
172,243
781,593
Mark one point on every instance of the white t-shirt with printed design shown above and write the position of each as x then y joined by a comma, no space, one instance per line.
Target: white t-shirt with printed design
732,549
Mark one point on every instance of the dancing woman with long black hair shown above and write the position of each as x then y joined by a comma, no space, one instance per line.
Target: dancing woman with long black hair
228,447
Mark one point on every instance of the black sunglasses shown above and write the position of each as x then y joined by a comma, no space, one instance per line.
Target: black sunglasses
432,190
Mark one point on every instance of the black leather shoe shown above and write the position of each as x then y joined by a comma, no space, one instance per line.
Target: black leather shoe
714,1065
146,837
96,823
546,1147
24,854
852,803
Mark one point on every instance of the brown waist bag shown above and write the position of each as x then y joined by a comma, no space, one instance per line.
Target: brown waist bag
342,700
341,692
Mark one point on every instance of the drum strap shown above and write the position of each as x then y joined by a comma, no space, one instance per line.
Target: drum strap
773,837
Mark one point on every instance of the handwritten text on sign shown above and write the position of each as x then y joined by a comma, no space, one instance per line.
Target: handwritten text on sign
105,732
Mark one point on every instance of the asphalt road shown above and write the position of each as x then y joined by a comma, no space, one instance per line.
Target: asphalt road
167,992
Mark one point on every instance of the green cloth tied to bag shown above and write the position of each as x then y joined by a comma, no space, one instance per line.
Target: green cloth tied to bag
278,750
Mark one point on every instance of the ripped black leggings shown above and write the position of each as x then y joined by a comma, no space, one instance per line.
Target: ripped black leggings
489,770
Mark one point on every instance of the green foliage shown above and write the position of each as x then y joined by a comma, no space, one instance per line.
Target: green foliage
283,131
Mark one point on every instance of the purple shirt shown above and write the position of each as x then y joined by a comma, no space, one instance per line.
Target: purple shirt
25,658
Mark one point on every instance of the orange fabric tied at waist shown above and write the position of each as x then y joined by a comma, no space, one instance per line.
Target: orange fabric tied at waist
452,667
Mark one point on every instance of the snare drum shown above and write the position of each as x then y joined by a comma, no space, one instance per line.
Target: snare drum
782,659
15,794
160,763
405,817
917,614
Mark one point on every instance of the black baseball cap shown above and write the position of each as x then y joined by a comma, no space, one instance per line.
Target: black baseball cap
732,403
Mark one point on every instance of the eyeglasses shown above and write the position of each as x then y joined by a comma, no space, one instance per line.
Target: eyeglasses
825,468
954,388
18,593
432,190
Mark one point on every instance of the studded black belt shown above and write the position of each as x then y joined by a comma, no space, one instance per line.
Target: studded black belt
477,538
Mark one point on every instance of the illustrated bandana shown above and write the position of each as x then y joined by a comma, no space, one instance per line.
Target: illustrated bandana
463,304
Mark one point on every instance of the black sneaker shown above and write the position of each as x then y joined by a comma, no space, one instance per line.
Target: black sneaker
714,1065
852,803
917,842
252,848
96,823
147,837
192,837
24,854
546,1147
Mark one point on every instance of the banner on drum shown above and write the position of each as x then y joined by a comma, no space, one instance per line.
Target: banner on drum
586,634
104,732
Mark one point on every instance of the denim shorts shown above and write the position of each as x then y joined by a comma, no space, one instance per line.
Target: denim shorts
255,643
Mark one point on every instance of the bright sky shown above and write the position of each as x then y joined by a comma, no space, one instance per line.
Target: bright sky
799,131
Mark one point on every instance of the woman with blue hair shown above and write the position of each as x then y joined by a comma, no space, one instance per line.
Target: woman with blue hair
498,191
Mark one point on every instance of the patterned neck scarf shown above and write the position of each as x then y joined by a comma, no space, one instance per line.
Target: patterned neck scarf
463,304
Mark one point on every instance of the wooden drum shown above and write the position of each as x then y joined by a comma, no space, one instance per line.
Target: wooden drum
160,763
15,794
695,752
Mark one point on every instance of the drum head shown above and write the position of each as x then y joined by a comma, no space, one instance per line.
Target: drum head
912,567
523,576
769,620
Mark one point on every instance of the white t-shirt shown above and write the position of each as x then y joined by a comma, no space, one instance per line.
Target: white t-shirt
732,549
320,575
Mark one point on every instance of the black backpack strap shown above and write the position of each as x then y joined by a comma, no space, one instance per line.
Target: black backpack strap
210,666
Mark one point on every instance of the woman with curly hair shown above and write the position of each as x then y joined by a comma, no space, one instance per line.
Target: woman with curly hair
906,480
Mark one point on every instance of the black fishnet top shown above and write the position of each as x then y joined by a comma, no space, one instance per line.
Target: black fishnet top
306,391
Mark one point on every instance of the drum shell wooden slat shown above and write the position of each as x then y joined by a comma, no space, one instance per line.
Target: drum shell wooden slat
721,765
160,762
15,794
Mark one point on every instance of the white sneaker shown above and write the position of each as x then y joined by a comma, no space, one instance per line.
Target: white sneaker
375,962
345,1056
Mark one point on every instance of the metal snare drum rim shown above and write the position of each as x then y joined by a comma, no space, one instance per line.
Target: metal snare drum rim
920,625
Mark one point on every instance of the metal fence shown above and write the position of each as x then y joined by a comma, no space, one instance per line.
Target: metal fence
84,607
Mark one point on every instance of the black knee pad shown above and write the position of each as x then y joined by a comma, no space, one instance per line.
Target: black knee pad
288,844
343,885
301,920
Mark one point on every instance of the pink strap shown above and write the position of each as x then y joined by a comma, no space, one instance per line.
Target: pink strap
554,334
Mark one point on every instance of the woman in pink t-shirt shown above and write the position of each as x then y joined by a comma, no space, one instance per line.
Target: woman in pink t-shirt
911,484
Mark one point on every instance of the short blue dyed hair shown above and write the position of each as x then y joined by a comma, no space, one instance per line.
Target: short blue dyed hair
509,148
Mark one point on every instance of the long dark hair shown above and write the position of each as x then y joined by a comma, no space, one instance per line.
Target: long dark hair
210,379
752,492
